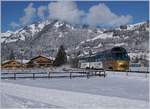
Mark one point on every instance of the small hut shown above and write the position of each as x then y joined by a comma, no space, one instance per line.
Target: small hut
12,64
40,61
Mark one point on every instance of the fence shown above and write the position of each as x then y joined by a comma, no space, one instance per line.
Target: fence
13,74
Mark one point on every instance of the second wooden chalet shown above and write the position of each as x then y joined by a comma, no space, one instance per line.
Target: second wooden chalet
40,61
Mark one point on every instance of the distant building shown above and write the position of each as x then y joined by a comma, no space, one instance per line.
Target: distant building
142,65
123,27
12,64
40,61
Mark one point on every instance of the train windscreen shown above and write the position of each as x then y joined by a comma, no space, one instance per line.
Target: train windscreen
119,53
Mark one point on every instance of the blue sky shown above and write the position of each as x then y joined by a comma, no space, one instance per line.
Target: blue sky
95,13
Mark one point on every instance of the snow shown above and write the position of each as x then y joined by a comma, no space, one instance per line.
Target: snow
20,33
77,47
58,24
33,29
120,44
16,102
11,40
85,52
88,40
4,36
23,61
134,26
82,42
41,26
100,31
99,45
137,24
89,30
52,58
127,37
18,60
139,54
7,34
103,36
116,91
69,26
2,39
60,35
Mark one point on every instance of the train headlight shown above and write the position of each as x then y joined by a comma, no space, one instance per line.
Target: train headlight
122,64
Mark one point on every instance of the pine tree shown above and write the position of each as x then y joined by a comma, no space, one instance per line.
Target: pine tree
61,57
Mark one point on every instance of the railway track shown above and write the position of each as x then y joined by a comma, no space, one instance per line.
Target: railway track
129,71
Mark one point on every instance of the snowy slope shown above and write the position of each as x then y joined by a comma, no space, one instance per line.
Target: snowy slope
104,36
22,33
4,36
68,99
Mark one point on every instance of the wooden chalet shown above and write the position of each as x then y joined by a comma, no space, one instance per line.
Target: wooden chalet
39,61
12,64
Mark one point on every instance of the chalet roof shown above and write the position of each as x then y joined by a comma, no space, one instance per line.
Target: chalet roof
41,57
9,61
16,60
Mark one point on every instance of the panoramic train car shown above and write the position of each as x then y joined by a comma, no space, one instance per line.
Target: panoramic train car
112,59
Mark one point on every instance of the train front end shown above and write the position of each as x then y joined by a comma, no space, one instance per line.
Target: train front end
120,65
120,60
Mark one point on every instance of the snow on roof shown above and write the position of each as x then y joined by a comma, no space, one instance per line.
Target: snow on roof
23,61
18,60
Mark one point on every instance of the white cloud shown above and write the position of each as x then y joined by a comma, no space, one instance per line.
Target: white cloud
66,11
14,25
101,15
121,20
30,12
41,11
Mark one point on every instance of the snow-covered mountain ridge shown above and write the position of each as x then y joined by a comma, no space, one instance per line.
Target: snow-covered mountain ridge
45,37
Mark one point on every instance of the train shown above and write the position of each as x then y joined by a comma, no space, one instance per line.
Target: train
115,58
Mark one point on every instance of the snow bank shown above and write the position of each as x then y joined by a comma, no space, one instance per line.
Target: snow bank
67,99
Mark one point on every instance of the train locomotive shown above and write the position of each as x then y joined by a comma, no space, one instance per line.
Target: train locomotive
111,59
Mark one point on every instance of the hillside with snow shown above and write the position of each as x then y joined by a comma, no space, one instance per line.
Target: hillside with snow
45,37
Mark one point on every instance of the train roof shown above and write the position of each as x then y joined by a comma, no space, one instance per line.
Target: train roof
116,49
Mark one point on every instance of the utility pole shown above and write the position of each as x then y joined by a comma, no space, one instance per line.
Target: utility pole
90,53
31,52
22,53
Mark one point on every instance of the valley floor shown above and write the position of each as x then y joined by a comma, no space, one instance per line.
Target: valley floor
116,90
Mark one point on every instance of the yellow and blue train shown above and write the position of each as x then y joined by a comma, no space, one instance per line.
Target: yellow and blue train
112,59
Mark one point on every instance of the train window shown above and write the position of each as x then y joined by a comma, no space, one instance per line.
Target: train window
125,56
120,56
92,59
99,59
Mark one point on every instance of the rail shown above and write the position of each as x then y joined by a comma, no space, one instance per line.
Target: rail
146,73
130,71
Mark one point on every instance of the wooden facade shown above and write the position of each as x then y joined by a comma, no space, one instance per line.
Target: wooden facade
12,64
39,61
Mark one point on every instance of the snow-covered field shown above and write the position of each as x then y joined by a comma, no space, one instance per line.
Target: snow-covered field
117,91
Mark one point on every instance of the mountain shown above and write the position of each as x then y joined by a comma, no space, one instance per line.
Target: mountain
45,37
